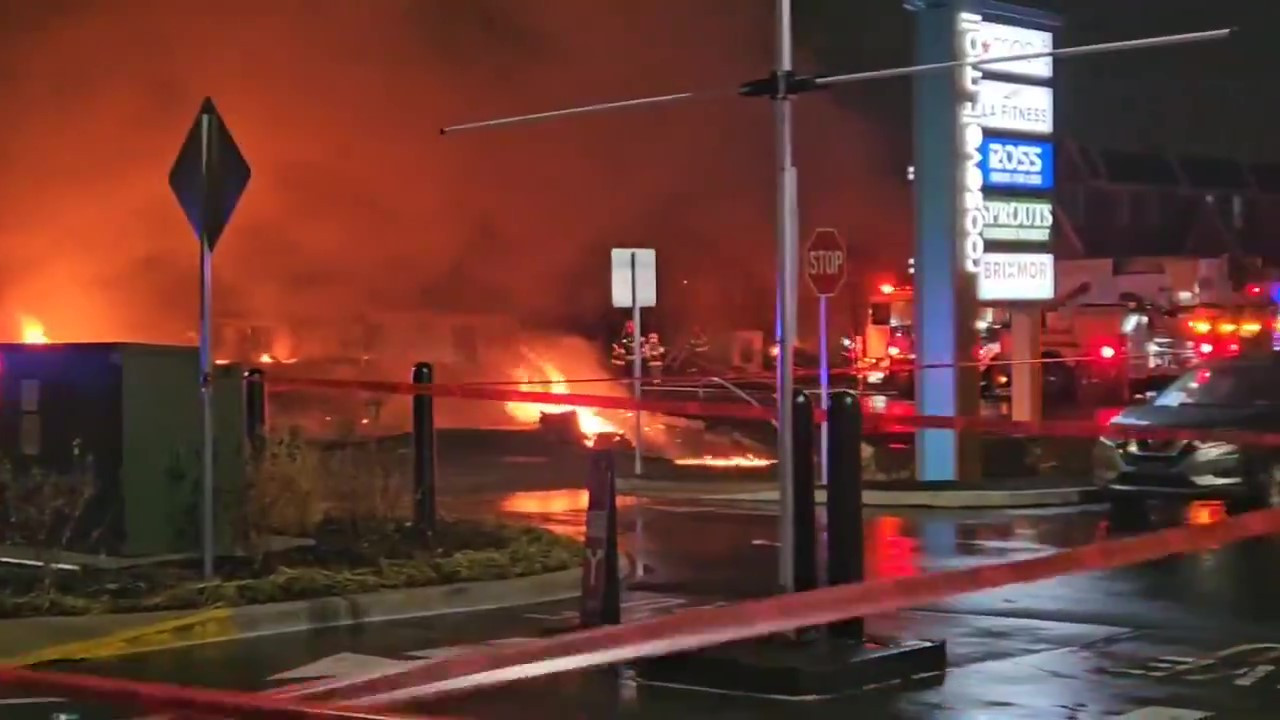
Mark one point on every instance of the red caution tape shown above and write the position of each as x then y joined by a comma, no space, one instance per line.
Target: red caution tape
1074,428
701,628
151,697
874,422
484,392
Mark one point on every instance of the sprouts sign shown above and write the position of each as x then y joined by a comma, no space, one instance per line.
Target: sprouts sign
1022,220
1011,107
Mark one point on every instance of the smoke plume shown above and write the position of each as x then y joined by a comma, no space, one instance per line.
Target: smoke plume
358,205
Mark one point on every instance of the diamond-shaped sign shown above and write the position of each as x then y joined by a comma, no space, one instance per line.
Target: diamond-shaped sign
209,175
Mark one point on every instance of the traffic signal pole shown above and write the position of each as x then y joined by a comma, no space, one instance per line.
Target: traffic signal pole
788,270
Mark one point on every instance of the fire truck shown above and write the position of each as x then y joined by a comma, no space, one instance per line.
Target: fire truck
1121,328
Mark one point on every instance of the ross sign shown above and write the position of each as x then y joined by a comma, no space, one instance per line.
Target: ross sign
209,175
1023,164
1017,219
969,133
646,276
1005,40
825,262
601,588
1015,277
1017,108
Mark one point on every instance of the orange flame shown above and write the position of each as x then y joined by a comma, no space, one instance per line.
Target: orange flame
554,381
728,461
33,331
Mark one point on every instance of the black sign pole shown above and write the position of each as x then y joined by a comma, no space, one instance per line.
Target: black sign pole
208,167
424,452
844,503
805,559
207,178
601,586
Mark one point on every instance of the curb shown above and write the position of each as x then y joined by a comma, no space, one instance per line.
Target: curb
953,499
220,624
956,499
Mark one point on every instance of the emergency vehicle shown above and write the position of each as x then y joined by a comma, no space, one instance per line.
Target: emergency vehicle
1120,328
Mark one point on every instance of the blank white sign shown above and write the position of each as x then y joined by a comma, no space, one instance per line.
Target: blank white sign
646,264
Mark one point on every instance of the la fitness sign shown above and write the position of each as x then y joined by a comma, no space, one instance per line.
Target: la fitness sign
969,47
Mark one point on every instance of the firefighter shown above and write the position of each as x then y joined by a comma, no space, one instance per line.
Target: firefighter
654,354
698,343
624,349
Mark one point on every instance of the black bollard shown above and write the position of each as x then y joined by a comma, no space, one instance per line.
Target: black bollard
806,540
255,410
601,586
424,452
844,503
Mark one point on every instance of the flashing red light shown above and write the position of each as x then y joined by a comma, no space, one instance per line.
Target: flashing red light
1106,352
893,351
1253,290
1104,416
886,288
1233,347
1205,348
1203,376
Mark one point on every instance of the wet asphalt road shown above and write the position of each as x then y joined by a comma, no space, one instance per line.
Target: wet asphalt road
1197,633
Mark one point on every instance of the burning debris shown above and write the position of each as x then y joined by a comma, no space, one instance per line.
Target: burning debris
685,442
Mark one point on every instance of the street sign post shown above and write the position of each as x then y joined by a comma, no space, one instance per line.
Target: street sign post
825,268
634,278
208,177
601,587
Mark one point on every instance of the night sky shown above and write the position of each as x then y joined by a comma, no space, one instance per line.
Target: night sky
358,205
1217,99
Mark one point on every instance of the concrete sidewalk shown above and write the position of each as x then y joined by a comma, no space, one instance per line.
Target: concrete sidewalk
1010,493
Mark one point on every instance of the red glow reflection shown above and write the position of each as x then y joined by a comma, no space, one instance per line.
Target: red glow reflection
893,554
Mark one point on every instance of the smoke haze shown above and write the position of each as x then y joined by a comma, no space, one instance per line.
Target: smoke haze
356,202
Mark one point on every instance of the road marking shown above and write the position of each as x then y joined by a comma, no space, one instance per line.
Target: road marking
637,607
30,701
198,627
1245,665
442,653
1164,713
343,665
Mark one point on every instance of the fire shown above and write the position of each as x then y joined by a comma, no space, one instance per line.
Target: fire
729,461
662,434
33,331
550,379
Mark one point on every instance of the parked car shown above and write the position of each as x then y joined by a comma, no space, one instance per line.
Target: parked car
1239,393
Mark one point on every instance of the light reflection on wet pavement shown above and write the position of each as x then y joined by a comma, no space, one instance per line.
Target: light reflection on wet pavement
1197,632
1085,646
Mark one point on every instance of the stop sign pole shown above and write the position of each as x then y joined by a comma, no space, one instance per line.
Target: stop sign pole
825,269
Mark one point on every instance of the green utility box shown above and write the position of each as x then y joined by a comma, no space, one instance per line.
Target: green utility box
135,411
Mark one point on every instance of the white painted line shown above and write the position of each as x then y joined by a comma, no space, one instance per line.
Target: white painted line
30,701
1164,713
343,665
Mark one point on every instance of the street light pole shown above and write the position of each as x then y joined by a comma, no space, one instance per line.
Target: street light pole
788,271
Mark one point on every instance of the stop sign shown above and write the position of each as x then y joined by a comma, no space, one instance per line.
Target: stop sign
824,262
